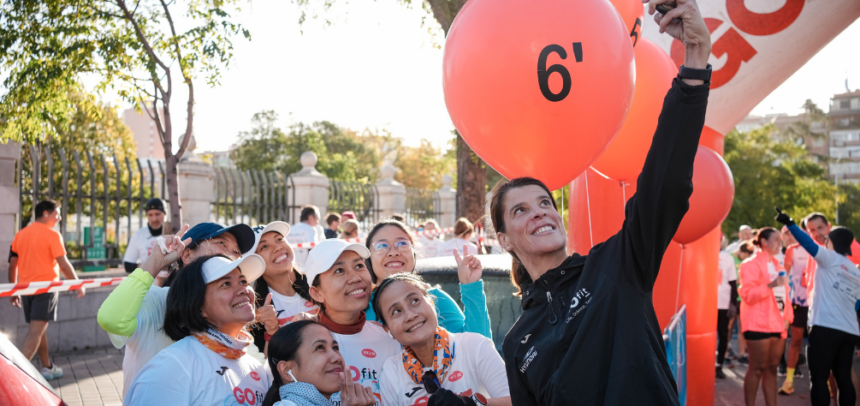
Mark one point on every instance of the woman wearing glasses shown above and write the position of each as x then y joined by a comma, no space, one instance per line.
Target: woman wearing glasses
340,285
435,366
392,252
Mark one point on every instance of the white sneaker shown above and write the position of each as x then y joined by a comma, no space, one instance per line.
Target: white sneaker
53,373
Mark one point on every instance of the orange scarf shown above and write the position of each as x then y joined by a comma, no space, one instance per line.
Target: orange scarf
443,356
224,345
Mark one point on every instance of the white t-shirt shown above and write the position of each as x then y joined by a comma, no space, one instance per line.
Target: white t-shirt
837,289
477,367
188,373
287,307
148,338
140,246
447,248
365,353
779,291
727,274
798,291
429,247
301,233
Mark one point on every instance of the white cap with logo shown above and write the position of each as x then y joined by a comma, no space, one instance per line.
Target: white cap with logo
324,255
279,227
251,265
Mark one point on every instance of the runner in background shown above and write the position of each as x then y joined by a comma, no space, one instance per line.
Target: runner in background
727,307
307,229
41,258
210,304
350,230
795,261
435,366
282,291
332,221
744,236
463,231
392,251
428,243
341,286
833,332
142,242
765,320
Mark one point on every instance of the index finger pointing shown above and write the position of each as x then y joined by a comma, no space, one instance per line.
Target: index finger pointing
457,256
268,300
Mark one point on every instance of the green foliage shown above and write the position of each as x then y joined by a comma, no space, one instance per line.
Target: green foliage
343,154
770,172
47,45
849,206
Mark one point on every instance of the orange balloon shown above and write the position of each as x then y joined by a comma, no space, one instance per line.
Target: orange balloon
632,12
713,193
538,91
625,156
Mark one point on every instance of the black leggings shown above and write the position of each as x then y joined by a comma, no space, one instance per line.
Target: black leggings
722,335
831,350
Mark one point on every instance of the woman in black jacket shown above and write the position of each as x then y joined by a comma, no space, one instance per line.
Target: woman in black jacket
588,334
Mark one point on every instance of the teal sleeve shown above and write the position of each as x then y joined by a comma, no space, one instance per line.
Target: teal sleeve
449,314
118,314
369,313
477,315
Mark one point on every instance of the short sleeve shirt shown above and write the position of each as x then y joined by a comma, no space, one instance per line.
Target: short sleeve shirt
728,273
38,247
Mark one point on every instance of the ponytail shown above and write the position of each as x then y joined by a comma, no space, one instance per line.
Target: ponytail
519,274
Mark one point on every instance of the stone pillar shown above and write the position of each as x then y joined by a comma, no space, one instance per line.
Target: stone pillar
196,187
392,194
10,153
311,186
447,203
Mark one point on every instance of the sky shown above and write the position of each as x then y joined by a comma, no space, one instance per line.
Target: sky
377,66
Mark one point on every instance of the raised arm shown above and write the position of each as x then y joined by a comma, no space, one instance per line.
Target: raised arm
802,238
653,214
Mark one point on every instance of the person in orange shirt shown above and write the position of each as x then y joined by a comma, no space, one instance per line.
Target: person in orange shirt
41,257
764,319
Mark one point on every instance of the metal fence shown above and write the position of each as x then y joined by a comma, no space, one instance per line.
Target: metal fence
100,195
421,205
359,198
252,197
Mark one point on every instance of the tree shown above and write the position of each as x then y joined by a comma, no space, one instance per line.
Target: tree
771,171
471,169
47,45
423,166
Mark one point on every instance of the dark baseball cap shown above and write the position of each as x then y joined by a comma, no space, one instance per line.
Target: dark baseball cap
154,204
245,237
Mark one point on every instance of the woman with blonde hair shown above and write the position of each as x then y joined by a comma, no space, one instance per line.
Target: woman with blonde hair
350,229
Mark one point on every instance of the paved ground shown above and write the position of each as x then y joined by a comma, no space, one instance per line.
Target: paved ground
90,377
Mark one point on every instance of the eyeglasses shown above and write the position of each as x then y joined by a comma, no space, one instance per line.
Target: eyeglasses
383,247
431,382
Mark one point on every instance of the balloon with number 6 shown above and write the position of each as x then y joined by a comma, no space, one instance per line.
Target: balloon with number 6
538,90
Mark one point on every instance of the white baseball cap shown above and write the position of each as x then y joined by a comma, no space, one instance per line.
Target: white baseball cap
279,227
251,265
324,255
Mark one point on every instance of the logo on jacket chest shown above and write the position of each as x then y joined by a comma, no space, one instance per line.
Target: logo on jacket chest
578,303
530,356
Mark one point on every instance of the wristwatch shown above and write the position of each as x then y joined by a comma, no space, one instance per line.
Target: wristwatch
479,399
700,74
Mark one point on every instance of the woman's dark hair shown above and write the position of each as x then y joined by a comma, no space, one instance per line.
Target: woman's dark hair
519,275
379,226
283,346
462,227
746,247
763,234
261,290
841,238
415,280
185,299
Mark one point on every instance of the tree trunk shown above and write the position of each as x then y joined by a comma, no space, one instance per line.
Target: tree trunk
471,182
173,188
471,170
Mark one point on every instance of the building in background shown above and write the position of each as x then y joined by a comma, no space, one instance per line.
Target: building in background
145,134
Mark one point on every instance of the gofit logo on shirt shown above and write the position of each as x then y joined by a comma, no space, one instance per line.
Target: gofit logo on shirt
367,352
255,376
581,297
455,376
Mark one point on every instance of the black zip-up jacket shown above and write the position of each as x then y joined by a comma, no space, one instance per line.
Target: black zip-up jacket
588,334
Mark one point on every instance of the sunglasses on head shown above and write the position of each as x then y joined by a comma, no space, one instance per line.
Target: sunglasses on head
431,382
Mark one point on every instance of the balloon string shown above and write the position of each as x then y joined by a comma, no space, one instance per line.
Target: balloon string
623,196
588,204
680,267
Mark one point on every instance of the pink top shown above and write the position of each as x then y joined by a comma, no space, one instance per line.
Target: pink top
759,309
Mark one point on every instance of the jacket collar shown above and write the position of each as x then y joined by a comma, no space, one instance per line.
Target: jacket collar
534,294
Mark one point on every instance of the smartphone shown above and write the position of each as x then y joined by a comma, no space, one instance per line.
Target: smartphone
666,7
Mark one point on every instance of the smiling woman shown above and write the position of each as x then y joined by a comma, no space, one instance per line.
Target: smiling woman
340,285
208,307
